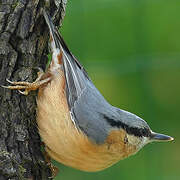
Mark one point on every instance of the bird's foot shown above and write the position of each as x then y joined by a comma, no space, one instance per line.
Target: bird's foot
54,169
25,87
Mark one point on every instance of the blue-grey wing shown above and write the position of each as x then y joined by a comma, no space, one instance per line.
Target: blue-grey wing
90,111
85,102
87,106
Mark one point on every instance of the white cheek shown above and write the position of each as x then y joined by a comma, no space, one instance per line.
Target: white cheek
144,141
137,141
133,140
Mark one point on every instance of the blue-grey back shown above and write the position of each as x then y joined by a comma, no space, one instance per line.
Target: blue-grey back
89,112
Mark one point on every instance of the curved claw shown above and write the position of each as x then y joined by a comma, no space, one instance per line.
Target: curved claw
11,82
4,86
26,92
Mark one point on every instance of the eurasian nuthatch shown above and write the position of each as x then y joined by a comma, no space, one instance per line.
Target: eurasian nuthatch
78,126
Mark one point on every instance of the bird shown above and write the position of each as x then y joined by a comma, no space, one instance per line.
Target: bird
78,126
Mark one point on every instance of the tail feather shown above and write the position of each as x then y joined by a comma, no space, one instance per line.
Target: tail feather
53,31
57,40
75,75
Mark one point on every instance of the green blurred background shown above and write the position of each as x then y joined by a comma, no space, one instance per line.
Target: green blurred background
131,50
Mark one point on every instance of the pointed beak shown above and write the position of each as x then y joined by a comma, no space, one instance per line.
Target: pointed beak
160,137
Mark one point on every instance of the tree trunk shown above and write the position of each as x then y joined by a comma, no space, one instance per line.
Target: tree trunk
23,48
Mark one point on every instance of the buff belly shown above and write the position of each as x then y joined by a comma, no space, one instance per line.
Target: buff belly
67,144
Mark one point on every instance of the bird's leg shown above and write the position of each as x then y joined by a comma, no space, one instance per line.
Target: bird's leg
54,169
26,86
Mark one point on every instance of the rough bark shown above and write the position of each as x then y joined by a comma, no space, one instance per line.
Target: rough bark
23,48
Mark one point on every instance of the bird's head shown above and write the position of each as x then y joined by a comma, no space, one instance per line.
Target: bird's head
138,132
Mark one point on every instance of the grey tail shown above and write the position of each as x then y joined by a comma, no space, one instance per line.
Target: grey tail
57,39
53,30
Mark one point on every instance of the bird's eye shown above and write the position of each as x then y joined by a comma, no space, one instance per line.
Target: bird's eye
125,139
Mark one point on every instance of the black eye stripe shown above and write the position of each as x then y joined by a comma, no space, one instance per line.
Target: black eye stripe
140,132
